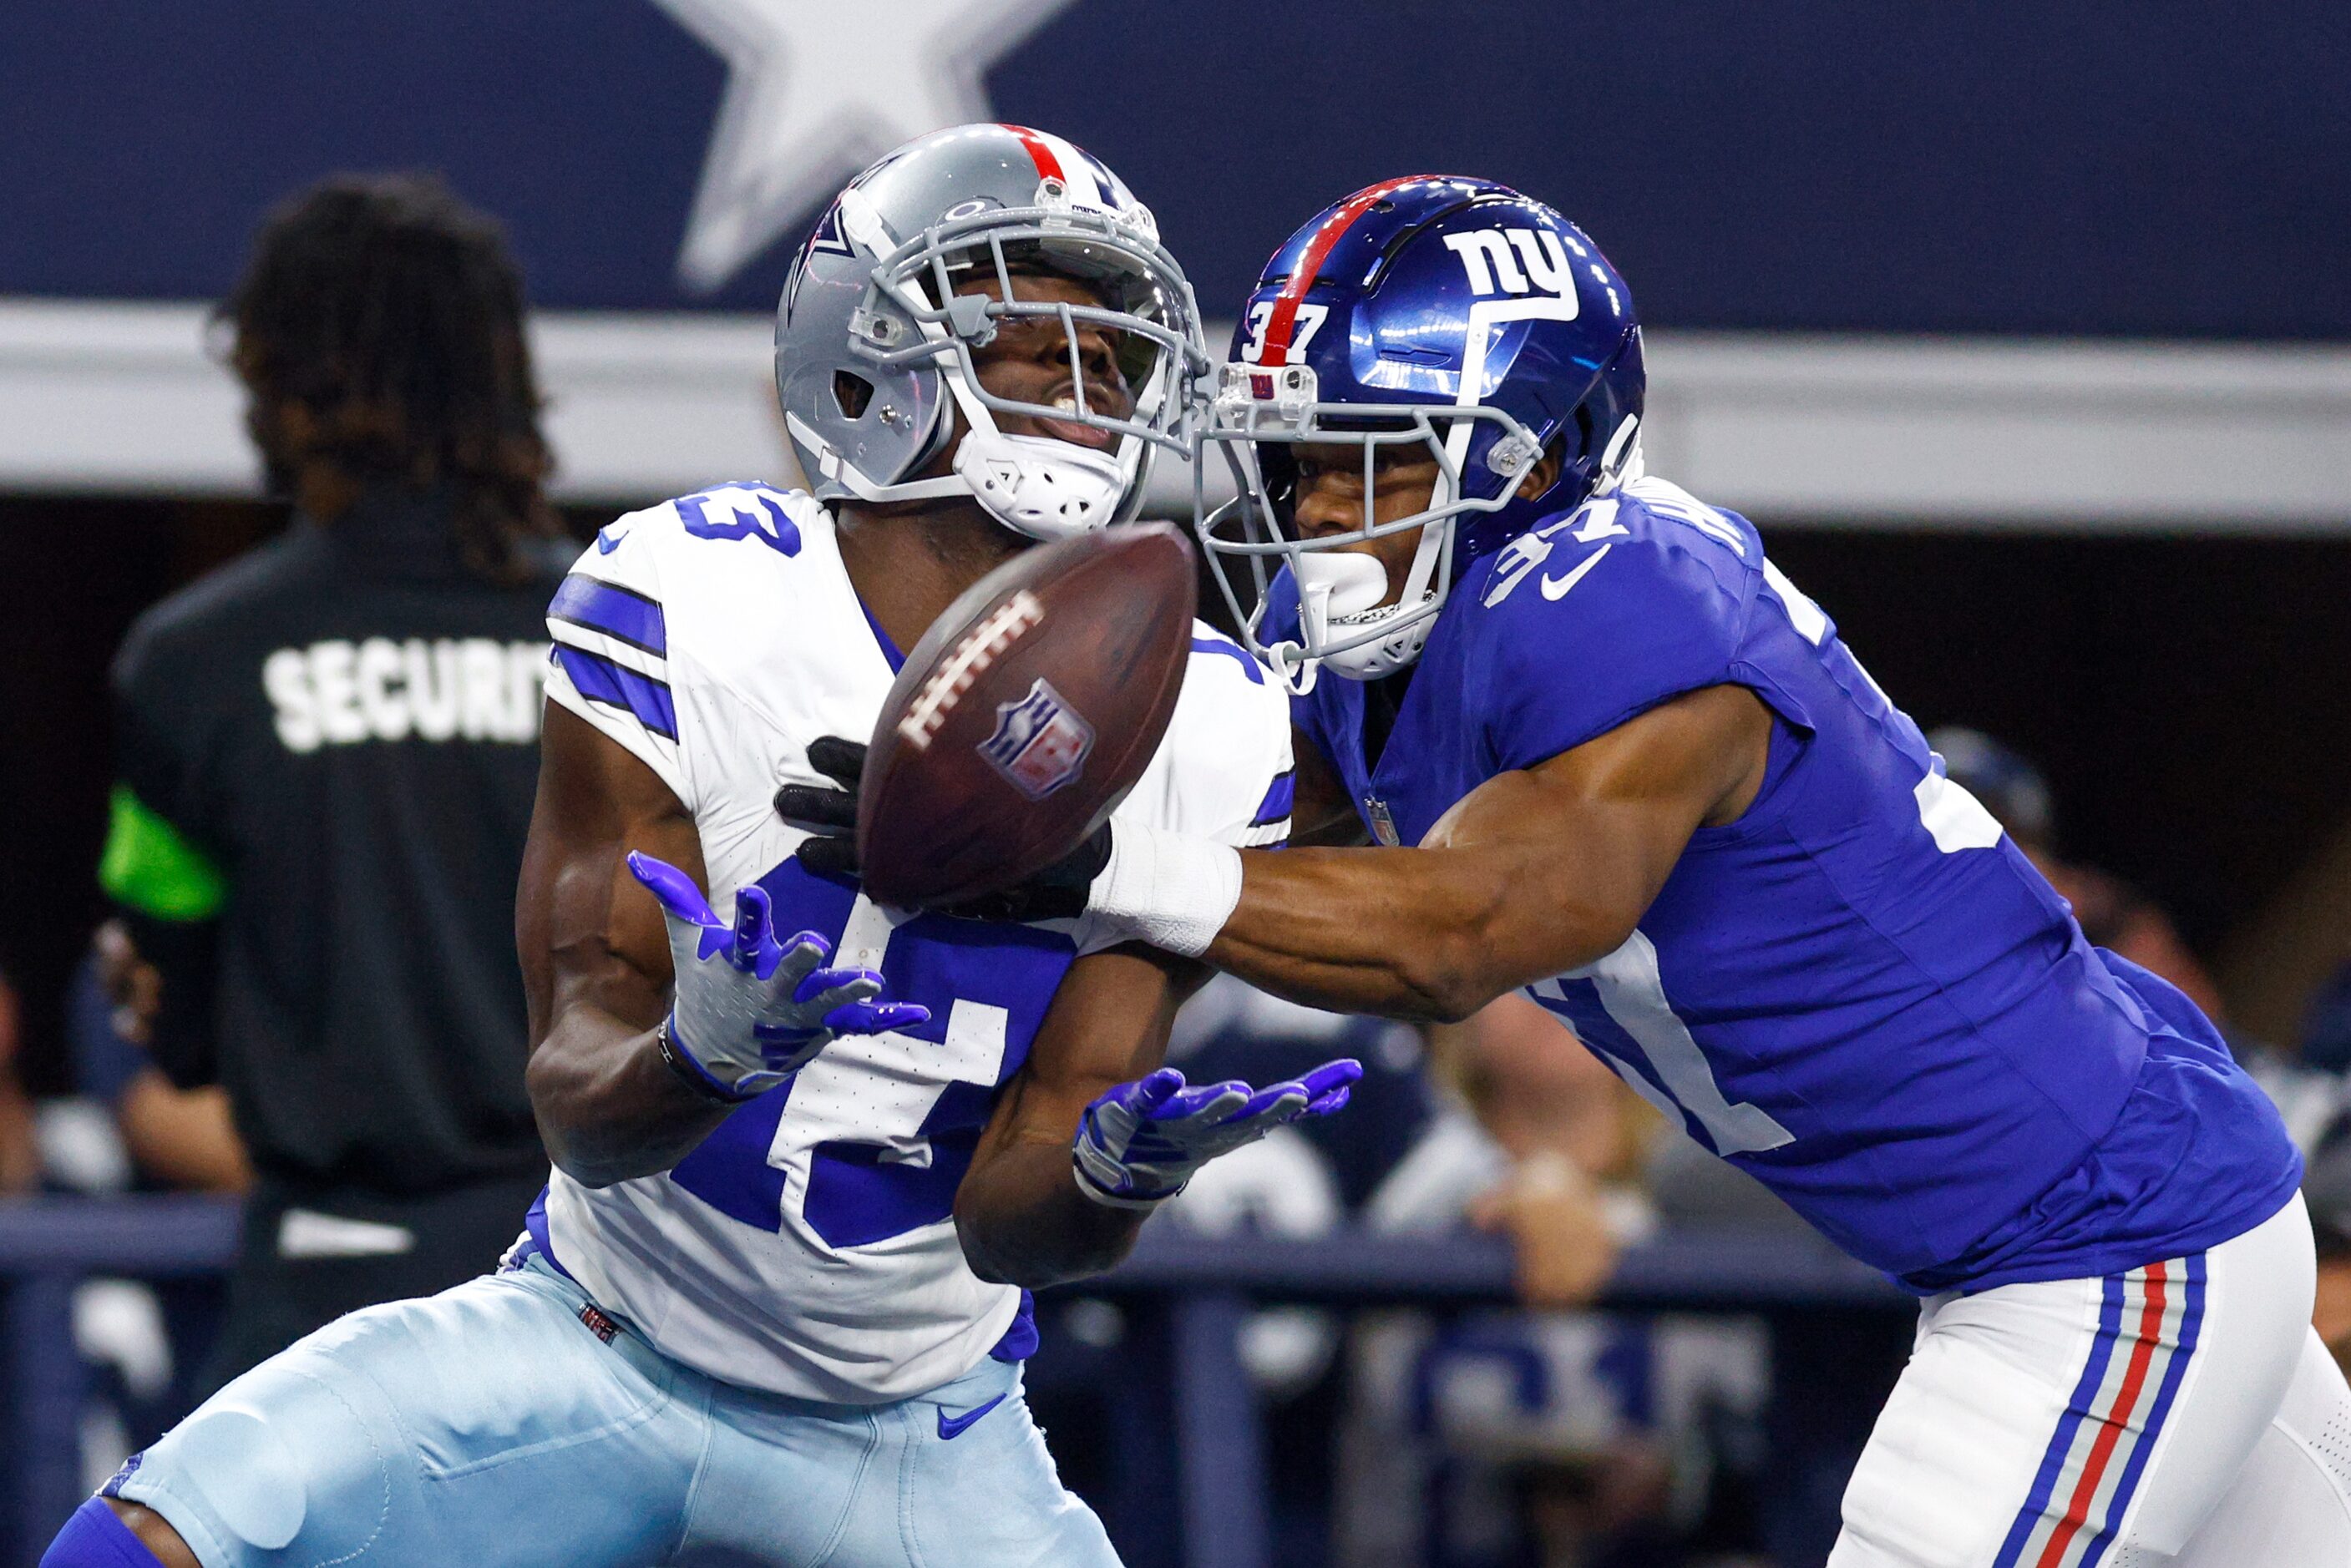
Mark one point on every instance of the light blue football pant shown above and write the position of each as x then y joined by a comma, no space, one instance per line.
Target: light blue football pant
490,1426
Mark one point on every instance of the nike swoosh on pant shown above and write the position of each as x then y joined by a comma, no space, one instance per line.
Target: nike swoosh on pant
954,1426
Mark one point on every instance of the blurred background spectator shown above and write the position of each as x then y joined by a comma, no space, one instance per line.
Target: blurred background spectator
127,1128
2112,913
2327,1189
1493,1438
326,758
172,1138
2326,1035
1561,1437
20,1159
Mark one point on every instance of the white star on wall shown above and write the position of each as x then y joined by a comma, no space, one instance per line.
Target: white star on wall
817,88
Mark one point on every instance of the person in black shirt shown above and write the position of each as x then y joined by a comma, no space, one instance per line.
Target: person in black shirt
327,752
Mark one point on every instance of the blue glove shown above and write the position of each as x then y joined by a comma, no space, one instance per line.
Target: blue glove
748,1010
1140,1142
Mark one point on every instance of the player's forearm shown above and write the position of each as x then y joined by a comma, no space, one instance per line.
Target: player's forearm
609,1108
1422,934
1022,1221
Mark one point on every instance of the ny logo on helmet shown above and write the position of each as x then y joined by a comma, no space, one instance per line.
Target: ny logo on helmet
1516,261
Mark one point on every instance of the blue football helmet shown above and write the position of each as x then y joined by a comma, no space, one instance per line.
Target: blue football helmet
1437,311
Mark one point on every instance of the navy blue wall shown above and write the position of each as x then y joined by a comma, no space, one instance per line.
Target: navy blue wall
2163,168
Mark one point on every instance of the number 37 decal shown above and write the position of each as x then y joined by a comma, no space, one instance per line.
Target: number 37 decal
1309,322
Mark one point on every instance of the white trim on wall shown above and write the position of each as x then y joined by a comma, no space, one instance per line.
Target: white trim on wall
2028,434
100,397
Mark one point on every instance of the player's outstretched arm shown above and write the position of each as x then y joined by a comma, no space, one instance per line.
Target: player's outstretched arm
1020,1217
1537,872
1091,1134
650,1017
596,961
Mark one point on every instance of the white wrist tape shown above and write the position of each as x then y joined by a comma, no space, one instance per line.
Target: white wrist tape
1169,890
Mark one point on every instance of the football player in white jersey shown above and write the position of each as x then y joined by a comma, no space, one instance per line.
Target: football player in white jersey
771,1308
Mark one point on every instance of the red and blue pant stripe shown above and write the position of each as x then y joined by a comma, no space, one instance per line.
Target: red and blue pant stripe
2147,1323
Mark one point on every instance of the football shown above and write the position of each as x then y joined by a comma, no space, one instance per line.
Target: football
1025,714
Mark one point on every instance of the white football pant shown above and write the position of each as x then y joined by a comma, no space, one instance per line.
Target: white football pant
2182,1415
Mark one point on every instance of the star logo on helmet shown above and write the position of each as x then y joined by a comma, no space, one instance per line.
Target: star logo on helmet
827,235
814,91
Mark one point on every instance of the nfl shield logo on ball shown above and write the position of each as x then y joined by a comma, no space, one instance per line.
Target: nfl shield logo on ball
1039,743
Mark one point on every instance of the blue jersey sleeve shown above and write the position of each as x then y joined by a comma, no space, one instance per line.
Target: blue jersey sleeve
1594,620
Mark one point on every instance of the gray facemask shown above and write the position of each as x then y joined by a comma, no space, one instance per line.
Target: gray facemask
873,342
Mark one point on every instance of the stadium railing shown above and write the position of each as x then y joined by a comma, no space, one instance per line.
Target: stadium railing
1203,1287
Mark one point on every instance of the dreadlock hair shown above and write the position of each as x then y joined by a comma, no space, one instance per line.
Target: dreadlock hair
392,312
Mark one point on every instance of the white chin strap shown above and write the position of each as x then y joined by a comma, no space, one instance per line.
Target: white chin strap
1339,594
1622,463
1417,606
1039,487
1035,485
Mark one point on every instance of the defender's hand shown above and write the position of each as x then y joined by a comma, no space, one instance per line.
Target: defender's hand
1140,1142
1059,892
749,1011
832,814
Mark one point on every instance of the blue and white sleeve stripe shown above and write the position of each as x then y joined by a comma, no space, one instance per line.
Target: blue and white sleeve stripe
612,643
612,667
612,684
624,615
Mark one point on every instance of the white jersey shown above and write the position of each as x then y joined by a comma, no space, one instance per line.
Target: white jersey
806,1246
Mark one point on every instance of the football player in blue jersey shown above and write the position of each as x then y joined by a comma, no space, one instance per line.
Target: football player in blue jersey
771,1308
1611,756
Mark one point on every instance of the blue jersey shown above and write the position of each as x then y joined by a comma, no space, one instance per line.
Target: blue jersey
1860,992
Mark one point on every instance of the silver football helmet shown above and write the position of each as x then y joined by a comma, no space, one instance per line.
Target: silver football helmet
873,343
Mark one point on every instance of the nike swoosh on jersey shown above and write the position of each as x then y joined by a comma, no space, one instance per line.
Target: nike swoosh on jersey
607,541
1556,587
954,1426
